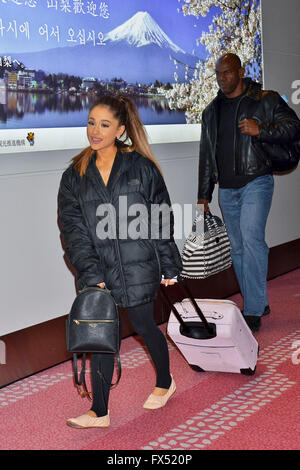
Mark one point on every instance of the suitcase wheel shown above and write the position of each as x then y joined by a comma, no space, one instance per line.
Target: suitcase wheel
248,371
196,368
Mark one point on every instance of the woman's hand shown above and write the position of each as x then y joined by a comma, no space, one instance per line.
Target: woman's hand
101,285
168,282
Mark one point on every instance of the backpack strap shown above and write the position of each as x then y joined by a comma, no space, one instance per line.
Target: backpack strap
80,381
119,372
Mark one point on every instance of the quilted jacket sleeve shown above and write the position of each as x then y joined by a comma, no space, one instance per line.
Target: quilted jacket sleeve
78,244
169,256
283,126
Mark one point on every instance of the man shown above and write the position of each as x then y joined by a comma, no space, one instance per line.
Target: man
234,125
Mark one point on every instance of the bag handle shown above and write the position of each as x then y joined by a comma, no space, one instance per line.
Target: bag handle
211,223
94,288
187,292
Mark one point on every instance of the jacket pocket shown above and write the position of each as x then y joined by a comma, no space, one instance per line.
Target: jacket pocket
261,155
132,186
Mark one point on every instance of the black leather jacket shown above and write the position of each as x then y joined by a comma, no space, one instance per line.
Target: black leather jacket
278,124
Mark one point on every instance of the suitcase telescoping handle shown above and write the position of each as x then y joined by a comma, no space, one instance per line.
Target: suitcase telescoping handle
187,293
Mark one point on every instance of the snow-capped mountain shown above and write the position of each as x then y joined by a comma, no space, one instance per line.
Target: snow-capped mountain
137,51
142,30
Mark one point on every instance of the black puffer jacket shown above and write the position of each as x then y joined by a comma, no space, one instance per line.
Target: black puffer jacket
131,268
278,124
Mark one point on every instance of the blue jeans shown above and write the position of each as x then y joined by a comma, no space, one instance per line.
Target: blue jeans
245,211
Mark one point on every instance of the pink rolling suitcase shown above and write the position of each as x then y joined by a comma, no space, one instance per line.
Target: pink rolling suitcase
212,335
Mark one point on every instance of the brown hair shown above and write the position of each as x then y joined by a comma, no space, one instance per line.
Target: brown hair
124,110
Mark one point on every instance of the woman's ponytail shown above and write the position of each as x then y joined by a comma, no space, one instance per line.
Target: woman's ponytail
136,131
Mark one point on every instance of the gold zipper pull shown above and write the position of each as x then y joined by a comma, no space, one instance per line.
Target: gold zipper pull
76,321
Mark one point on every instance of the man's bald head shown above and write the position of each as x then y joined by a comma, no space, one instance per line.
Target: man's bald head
231,59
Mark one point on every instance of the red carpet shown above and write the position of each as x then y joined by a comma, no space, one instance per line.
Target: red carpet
209,410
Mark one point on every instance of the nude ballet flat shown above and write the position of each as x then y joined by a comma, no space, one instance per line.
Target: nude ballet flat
87,421
154,402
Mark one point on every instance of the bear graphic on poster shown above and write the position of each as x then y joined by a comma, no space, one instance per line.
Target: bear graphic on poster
30,138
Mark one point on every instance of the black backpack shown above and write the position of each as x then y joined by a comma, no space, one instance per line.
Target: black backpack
93,326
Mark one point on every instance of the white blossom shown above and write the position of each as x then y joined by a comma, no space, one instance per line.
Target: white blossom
235,28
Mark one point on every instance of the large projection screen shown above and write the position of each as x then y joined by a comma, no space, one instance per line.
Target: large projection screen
57,56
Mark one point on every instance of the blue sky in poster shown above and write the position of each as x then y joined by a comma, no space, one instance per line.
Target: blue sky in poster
21,20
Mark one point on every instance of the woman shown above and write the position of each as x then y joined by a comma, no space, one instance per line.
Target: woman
112,250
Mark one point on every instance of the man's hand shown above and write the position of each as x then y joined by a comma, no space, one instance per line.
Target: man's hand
249,127
205,204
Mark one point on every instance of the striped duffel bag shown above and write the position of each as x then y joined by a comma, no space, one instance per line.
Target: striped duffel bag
207,249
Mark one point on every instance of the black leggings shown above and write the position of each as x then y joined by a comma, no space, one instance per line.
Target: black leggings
141,318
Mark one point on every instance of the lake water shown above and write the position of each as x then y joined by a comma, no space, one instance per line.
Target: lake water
21,110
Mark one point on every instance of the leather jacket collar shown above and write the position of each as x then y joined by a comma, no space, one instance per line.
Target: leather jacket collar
254,90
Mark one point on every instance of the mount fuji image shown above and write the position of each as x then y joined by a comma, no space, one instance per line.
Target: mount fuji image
141,30
138,50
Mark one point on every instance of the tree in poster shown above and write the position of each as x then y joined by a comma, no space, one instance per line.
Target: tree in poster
235,28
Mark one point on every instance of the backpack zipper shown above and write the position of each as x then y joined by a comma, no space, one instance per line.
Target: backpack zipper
92,321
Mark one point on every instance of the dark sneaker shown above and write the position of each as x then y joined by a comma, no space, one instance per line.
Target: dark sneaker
267,310
253,321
